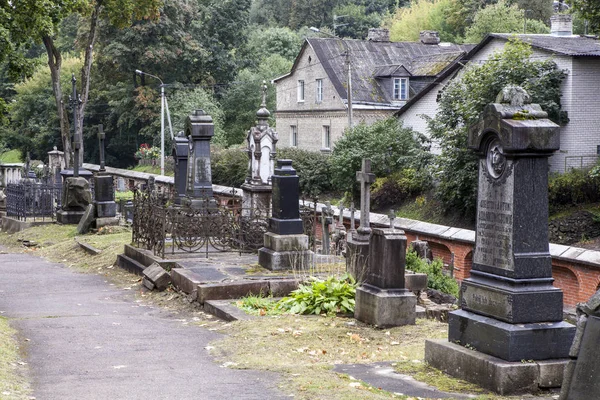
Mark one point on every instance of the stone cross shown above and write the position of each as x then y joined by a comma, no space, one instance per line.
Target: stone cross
392,217
340,224
366,178
101,138
75,101
326,221
352,221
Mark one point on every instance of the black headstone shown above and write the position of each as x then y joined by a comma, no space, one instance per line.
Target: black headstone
286,200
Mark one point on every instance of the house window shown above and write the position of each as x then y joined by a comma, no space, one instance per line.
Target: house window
300,90
319,90
293,136
326,137
400,88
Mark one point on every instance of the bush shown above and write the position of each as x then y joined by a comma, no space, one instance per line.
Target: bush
574,187
390,147
329,296
399,186
435,277
229,166
312,167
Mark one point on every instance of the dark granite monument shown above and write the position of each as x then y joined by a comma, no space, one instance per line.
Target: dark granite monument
200,130
104,190
180,156
285,246
382,299
580,380
357,252
509,308
76,188
261,141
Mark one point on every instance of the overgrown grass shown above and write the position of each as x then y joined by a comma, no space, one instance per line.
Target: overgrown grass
259,305
13,380
435,277
149,169
11,156
126,195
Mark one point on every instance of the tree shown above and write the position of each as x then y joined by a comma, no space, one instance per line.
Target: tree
357,20
390,146
25,21
540,10
588,9
501,18
463,100
407,23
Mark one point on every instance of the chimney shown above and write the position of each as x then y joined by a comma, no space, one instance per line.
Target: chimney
561,25
379,35
430,37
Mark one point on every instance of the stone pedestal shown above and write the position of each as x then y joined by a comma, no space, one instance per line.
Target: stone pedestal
180,157
509,307
75,199
357,258
284,252
285,244
383,300
256,198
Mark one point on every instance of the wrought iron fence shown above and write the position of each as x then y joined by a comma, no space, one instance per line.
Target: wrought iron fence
33,200
164,228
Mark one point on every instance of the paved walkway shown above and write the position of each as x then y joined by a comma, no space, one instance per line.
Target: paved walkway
90,340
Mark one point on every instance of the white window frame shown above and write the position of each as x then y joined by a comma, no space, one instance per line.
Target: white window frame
326,137
400,89
294,135
300,90
319,94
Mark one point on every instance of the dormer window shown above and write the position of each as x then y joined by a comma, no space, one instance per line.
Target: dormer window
400,89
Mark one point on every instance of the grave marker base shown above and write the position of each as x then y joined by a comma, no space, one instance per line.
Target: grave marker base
385,308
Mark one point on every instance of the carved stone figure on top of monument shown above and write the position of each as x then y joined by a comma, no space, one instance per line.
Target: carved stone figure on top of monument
262,141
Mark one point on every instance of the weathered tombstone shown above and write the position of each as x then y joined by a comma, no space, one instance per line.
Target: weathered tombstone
509,307
104,190
326,221
76,194
200,130
180,155
56,163
580,380
352,219
261,141
121,187
382,299
357,253
286,246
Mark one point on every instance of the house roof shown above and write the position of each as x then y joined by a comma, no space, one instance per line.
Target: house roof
574,46
372,59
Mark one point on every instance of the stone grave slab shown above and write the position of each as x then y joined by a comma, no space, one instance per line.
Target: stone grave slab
208,274
585,383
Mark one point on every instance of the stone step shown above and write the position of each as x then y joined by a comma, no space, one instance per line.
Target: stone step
225,310
129,264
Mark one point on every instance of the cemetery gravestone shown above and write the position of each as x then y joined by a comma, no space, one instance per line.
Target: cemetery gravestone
509,307
261,141
200,130
104,190
357,253
326,221
285,244
180,155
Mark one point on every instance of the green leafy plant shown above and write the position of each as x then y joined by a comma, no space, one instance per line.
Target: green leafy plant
259,305
574,187
434,270
313,168
318,296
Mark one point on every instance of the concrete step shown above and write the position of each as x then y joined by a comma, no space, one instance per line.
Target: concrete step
129,264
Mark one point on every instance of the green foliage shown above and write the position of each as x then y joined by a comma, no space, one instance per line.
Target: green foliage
259,305
399,186
11,156
407,23
357,20
329,296
589,10
576,186
463,100
390,147
501,17
313,168
436,279
229,167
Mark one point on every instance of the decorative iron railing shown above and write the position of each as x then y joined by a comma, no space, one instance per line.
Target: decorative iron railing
33,200
165,228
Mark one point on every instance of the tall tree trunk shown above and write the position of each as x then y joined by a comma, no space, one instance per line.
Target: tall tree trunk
86,69
55,64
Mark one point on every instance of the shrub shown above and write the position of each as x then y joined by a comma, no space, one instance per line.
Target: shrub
312,167
229,166
435,277
390,147
576,186
399,186
329,296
